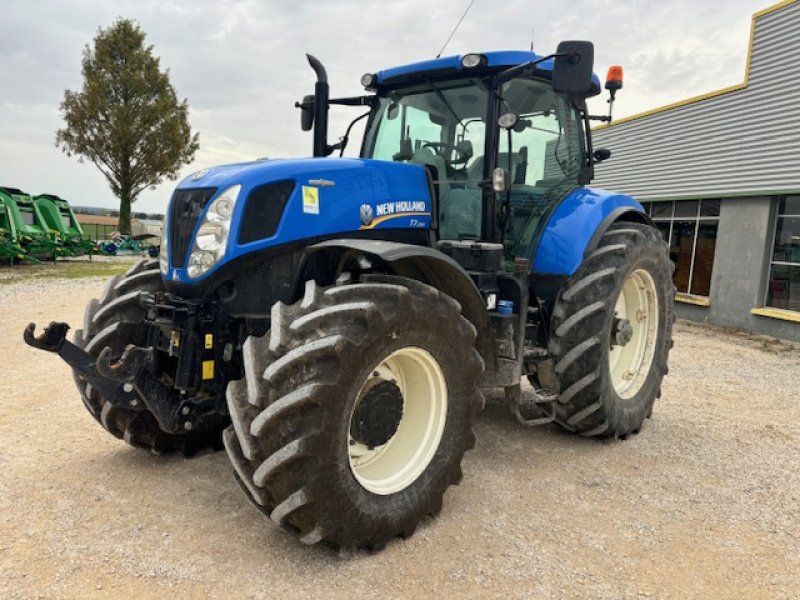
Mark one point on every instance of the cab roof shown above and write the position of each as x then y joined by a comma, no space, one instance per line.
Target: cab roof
450,66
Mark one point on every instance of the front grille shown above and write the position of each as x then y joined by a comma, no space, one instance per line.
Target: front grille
187,206
263,210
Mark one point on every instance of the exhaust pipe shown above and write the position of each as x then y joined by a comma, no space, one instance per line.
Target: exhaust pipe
321,93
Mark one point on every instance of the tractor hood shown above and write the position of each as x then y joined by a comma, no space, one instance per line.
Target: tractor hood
284,201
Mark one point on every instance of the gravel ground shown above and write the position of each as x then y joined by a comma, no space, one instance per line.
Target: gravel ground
705,502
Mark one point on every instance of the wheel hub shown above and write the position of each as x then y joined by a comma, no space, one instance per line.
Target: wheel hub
377,415
622,332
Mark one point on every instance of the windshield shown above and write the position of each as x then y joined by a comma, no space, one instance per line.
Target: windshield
443,128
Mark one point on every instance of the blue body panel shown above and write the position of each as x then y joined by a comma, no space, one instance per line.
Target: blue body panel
393,195
502,58
356,194
572,225
396,194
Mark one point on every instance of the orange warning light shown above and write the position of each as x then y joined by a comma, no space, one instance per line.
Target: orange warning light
614,78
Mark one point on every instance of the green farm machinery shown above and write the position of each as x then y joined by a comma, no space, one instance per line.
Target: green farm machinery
10,250
59,217
25,228
119,243
39,228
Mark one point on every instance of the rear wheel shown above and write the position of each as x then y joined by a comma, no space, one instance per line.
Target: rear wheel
356,410
105,324
611,333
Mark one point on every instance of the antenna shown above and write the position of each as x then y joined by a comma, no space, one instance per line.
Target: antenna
532,32
452,33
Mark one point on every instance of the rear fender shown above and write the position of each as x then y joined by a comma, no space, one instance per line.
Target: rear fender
324,261
576,226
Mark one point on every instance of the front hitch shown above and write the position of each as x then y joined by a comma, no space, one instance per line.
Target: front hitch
54,339
51,340
126,383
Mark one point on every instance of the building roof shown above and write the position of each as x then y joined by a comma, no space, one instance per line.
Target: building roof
149,222
740,140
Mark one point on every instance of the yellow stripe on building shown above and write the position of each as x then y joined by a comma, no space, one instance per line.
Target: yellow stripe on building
715,93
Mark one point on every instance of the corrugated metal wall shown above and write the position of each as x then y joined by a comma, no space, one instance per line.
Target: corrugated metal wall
745,141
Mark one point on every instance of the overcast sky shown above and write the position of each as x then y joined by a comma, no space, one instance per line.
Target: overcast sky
241,64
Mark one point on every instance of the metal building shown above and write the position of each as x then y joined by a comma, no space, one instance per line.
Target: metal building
720,175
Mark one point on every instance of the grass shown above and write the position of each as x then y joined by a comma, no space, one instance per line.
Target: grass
66,269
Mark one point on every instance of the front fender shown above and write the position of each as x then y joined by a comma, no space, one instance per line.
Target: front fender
576,226
424,264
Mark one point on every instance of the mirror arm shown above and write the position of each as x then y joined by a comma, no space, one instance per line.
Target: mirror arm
354,101
509,74
587,174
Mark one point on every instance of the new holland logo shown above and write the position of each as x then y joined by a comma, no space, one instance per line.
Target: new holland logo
200,174
366,214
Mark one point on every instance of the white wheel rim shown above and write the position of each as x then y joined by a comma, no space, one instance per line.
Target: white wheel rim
629,363
395,465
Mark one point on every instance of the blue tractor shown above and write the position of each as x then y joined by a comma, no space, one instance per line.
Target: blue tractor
334,320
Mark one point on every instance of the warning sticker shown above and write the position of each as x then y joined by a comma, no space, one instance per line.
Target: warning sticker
208,369
310,200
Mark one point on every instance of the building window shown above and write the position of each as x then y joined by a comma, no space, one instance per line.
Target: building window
783,289
690,228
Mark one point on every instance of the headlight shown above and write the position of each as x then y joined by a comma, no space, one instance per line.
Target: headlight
470,61
368,80
211,238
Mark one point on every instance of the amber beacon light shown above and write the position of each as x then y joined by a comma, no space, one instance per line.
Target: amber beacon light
614,78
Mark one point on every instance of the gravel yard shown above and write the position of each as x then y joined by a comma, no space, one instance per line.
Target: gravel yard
705,502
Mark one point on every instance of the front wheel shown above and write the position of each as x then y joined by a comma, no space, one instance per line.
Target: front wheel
611,333
356,410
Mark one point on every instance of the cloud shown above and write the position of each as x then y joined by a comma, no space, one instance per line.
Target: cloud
241,64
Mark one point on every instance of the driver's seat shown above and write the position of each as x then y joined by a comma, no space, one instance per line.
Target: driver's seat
459,209
426,156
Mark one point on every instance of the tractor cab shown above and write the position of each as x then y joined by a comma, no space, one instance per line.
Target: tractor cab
503,136
463,127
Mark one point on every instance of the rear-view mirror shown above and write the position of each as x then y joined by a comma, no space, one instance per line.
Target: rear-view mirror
572,72
601,154
307,112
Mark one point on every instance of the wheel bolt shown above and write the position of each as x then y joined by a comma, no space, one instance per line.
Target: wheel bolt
185,410
188,425
128,387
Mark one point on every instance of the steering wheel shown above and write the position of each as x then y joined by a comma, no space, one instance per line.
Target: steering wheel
438,146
